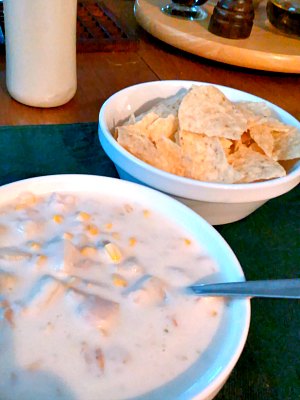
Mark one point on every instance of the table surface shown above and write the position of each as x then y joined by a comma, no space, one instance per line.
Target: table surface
267,243
102,74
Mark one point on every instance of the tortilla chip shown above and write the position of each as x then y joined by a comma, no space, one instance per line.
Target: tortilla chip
142,125
138,145
176,137
162,127
153,127
206,110
262,136
139,127
245,139
202,135
165,154
286,144
255,147
227,145
258,108
171,156
165,107
254,112
279,141
254,166
205,159
259,117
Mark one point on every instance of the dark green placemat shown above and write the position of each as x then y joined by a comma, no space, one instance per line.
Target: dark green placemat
51,149
267,244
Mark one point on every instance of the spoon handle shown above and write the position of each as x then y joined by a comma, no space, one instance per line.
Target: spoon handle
278,288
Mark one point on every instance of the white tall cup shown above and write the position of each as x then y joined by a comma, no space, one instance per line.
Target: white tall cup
40,39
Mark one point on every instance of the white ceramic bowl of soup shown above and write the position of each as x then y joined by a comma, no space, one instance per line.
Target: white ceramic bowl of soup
147,211
216,202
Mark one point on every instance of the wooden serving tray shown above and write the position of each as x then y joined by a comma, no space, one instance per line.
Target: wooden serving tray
266,49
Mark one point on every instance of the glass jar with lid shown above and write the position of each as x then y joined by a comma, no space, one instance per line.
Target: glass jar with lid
285,15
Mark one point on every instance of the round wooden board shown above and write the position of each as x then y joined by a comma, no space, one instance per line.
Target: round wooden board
266,49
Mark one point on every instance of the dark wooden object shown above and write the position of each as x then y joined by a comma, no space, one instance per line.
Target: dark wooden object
232,19
98,29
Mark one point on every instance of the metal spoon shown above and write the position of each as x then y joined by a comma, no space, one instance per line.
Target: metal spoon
278,288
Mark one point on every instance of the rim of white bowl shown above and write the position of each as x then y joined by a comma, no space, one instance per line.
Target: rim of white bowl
64,183
254,191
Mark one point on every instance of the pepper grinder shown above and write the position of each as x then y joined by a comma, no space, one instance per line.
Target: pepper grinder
232,19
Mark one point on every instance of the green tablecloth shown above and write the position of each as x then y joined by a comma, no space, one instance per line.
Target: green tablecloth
267,244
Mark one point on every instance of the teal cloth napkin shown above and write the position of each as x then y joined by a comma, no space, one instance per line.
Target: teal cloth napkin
267,244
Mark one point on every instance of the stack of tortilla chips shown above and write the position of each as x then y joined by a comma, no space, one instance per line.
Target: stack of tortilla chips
200,134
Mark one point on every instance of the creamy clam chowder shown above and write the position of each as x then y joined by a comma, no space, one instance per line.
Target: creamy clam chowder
92,304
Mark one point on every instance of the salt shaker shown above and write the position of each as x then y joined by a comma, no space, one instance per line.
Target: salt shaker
40,41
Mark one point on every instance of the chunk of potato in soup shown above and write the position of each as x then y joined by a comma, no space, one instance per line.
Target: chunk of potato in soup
92,304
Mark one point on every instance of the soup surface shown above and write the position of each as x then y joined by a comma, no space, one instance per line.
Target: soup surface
92,304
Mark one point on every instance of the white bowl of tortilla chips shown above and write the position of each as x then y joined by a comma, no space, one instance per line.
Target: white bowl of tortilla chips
222,152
